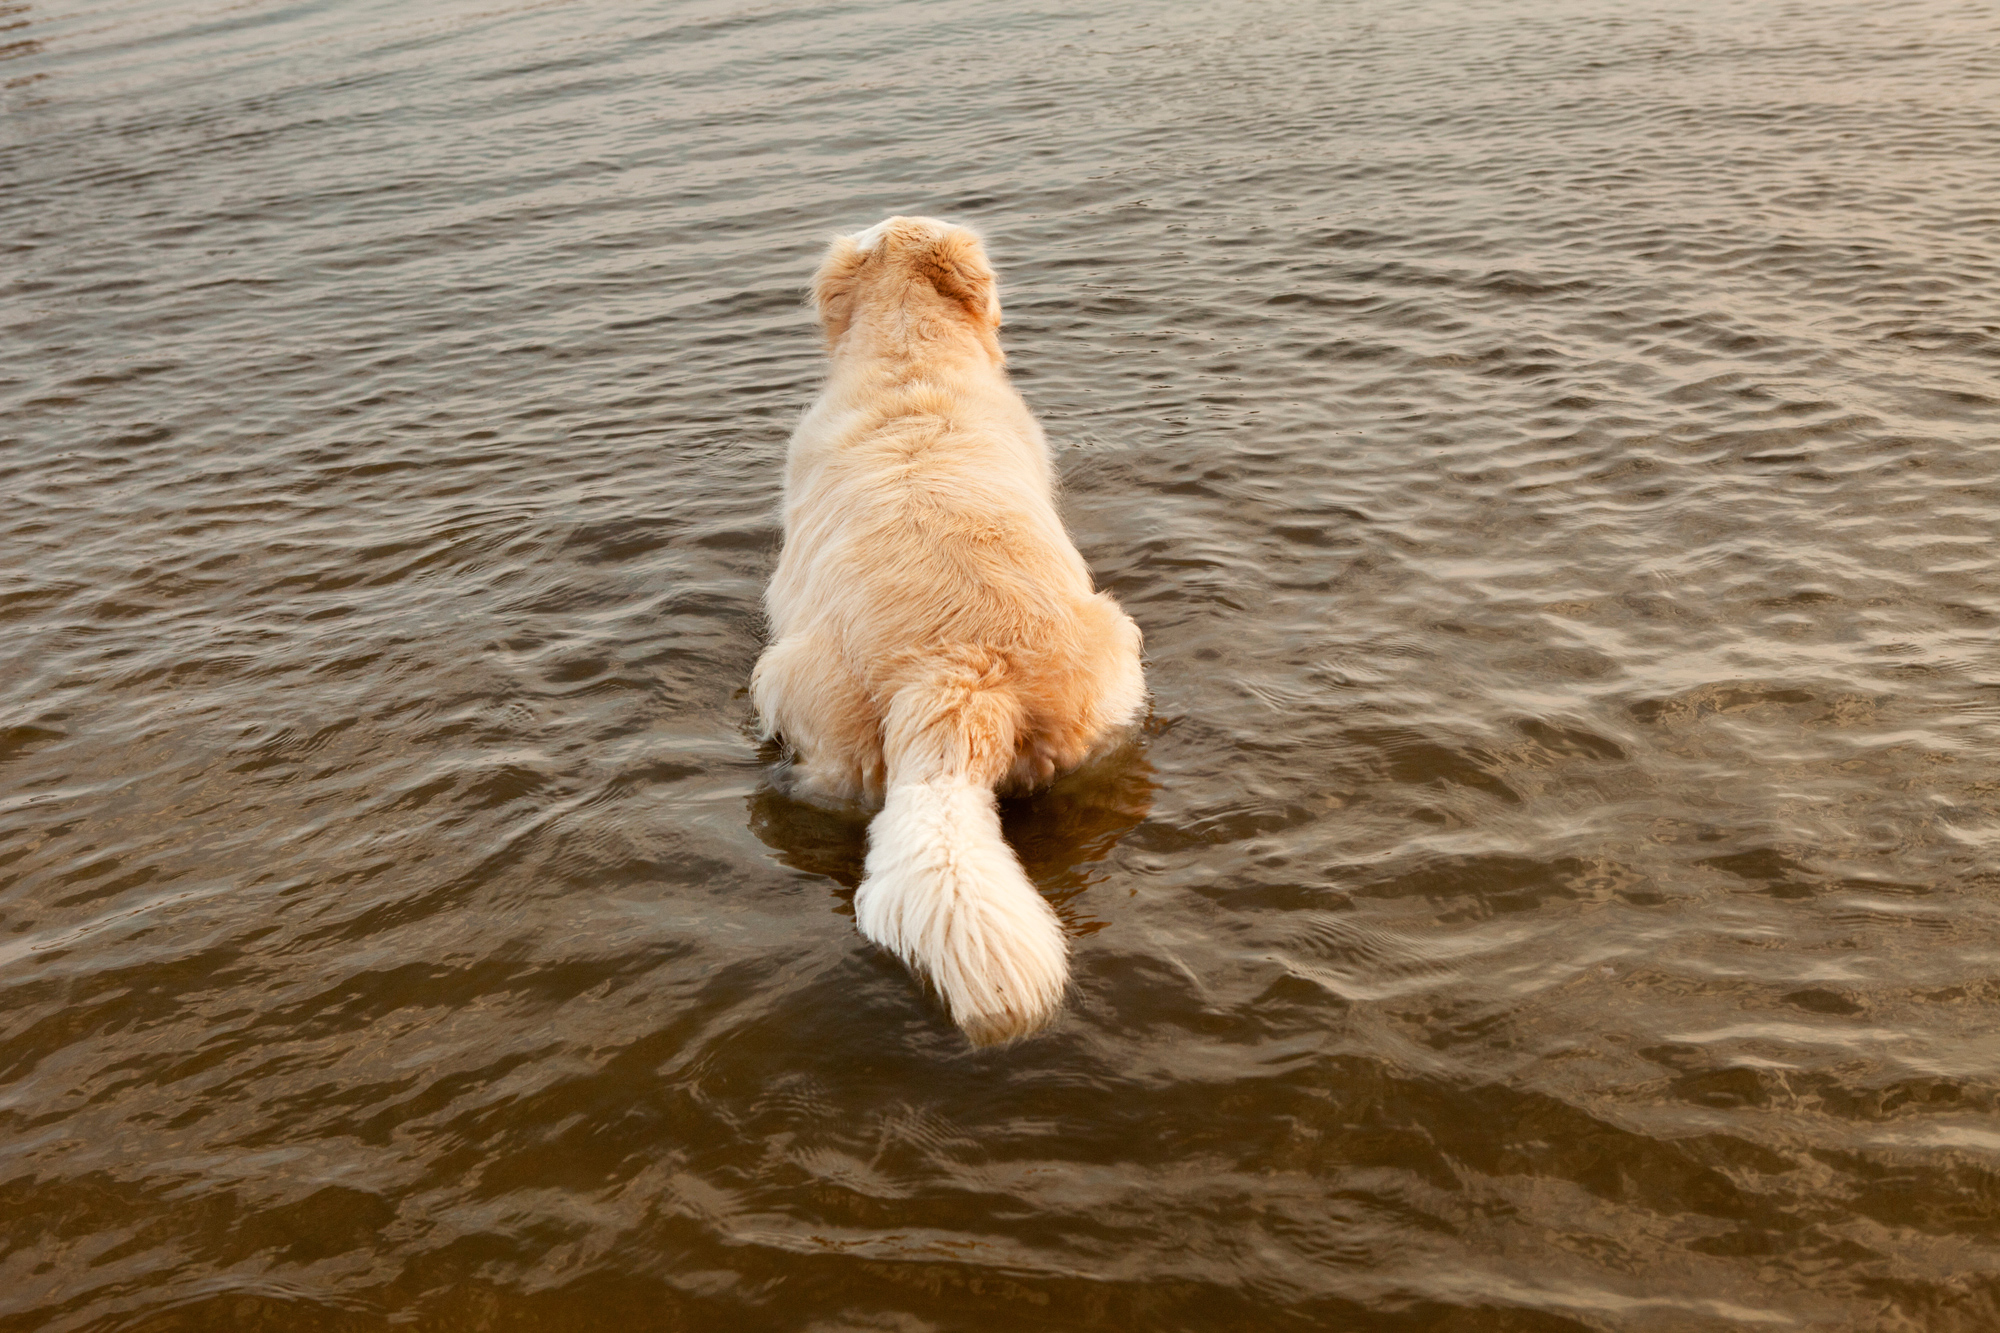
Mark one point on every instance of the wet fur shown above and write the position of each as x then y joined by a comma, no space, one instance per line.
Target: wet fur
935,634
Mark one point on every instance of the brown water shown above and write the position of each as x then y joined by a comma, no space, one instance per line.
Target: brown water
1553,450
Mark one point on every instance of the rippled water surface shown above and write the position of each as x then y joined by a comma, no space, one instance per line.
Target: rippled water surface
1553,451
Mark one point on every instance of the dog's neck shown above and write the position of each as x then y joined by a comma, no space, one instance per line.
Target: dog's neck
927,337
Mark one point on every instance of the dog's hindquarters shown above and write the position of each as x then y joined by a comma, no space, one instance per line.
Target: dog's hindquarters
805,691
941,888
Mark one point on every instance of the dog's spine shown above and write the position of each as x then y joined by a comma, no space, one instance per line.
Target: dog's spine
941,888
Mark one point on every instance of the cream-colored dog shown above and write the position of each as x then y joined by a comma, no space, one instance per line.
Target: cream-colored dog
935,635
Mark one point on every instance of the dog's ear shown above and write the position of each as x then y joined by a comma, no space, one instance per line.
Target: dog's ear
956,265
833,286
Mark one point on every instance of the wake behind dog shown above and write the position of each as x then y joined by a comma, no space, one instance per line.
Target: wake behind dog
936,638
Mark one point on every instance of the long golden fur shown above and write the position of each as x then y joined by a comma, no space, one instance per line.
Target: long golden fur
935,634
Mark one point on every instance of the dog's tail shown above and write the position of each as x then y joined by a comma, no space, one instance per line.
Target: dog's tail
942,889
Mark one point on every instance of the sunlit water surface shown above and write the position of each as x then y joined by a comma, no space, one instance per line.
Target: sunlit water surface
1553,451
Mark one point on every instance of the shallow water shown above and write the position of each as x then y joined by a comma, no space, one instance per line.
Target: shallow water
1553,451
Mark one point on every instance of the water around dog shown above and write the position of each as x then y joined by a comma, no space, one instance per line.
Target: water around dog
1553,453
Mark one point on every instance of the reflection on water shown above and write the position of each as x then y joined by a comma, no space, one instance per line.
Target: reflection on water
1554,455
1059,833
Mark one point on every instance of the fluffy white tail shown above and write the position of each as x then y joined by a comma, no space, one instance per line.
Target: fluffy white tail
942,889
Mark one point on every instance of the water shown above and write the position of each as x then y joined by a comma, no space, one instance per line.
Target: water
1553,451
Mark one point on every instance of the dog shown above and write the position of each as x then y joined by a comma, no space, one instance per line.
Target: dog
935,636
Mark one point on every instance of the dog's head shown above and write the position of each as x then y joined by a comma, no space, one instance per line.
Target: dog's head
929,267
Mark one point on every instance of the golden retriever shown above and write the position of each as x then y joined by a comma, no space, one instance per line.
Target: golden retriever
935,635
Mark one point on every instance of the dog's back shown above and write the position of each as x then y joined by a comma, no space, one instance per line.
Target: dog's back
936,637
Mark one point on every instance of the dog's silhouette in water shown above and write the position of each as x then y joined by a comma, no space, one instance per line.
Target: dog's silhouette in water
936,637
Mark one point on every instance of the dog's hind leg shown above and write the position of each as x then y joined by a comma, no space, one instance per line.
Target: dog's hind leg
1119,699
806,695
1090,709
